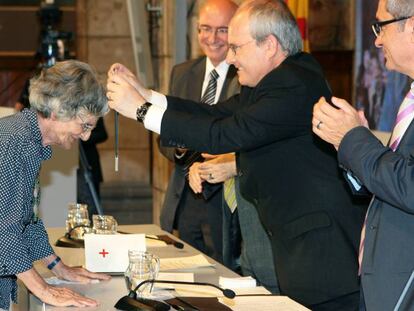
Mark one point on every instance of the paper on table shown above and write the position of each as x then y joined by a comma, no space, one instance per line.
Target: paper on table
262,303
182,277
155,243
240,282
184,263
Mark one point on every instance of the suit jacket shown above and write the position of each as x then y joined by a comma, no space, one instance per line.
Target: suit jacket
289,174
388,257
186,81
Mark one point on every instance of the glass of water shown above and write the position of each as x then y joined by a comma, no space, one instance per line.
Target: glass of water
77,222
104,224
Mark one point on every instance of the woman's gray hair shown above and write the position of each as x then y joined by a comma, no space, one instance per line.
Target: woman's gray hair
273,17
400,8
68,89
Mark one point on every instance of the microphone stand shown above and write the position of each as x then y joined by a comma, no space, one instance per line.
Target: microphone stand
404,293
133,303
87,175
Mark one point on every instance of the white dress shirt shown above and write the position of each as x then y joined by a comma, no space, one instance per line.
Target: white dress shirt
159,103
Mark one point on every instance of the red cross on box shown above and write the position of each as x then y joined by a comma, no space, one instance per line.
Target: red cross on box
103,253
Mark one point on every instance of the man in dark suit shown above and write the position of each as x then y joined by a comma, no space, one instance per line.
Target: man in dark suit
199,218
290,175
386,249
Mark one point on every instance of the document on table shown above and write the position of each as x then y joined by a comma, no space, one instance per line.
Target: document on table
152,241
184,263
180,276
262,303
239,282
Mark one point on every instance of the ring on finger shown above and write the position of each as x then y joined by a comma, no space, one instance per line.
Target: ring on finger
318,126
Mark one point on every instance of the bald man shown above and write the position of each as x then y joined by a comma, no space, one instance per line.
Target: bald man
198,218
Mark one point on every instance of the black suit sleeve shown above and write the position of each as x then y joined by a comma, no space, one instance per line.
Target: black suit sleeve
387,174
273,111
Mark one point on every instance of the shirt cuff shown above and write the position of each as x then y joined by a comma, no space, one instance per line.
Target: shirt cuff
355,183
153,118
158,99
179,155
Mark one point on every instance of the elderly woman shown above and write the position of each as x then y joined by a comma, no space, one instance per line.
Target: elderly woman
66,101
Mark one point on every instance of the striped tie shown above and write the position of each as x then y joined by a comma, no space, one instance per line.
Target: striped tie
230,194
404,117
210,92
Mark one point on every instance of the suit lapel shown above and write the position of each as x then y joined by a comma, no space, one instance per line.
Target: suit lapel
231,73
196,78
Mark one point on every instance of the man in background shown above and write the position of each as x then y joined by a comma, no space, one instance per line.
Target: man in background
198,217
386,252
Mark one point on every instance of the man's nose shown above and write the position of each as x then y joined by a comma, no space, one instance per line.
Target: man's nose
230,57
378,41
85,135
212,35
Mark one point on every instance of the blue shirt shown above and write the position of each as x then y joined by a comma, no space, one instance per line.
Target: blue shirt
23,238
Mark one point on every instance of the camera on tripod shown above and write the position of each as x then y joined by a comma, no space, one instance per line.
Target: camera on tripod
53,43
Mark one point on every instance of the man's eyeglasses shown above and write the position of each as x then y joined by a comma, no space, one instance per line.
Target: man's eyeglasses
234,48
85,125
377,27
207,30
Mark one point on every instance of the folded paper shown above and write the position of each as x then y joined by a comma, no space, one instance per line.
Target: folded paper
109,252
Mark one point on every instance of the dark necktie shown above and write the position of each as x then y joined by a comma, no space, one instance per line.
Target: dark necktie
210,92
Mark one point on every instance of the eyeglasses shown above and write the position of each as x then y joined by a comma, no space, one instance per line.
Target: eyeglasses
207,30
234,48
86,126
377,27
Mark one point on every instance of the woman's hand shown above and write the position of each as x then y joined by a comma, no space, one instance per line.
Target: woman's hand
75,274
55,296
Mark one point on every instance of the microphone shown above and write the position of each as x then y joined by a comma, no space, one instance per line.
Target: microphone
226,292
132,303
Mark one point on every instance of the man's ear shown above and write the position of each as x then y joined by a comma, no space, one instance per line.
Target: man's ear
272,45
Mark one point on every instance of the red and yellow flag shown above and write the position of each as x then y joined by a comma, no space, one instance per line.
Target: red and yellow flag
300,9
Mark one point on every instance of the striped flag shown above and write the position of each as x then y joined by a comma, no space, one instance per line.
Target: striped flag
300,9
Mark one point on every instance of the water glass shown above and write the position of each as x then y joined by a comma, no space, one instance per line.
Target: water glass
142,266
104,224
77,220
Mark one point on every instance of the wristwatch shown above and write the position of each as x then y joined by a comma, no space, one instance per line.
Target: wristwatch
142,111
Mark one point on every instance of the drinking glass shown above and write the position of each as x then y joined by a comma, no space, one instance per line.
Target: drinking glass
77,222
104,224
142,266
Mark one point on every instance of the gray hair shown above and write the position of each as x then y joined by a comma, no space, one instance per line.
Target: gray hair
68,89
400,8
273,17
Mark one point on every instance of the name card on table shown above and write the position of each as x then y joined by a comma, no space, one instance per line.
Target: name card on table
109,252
